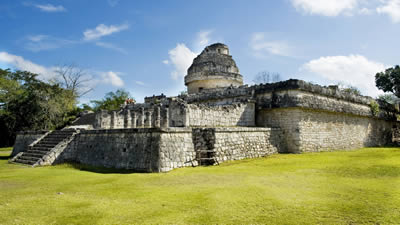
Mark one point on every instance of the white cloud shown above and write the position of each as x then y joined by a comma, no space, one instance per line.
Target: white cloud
166,62
325,7
392,9
50,8
365,11
355,70
202,39
111,46
261,45
181,57
140,83
103,30
20,63
112,78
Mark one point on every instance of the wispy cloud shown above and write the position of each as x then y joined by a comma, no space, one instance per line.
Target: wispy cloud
202,39
103,30
356,70
36,38
50,8
111,46
392,9
140,83
262,45
112,78
37,43
113,3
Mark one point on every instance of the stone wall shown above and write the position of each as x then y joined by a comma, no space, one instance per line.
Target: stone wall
24,139
235,143
161,150
308,130
239,114
133,149
176,149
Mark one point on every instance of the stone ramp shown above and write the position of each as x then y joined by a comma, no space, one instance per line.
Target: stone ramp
37,152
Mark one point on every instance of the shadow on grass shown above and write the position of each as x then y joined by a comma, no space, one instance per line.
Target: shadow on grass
103,170
3,157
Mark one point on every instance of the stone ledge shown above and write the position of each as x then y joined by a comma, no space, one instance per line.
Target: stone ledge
32,132
139,130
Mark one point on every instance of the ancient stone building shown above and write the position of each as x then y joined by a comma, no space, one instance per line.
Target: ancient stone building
213,68
219,119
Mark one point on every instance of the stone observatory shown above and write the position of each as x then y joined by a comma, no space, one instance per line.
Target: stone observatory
219,119
213,68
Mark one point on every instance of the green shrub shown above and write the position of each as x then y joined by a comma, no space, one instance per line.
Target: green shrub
374,108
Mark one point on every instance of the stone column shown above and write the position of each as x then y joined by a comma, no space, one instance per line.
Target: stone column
165,120
157,123
113,119
148,119
185,116
134,120
142,117
128,120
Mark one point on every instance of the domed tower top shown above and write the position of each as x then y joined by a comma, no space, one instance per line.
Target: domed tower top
213,68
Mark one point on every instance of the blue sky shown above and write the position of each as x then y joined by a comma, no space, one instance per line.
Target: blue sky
145,47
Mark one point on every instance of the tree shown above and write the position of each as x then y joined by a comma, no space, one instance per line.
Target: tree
74,78
389,80
111,101
389,98
267,77
27,103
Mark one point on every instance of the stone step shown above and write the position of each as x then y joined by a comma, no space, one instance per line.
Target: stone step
34,151
206,161
205,154
37,154
47,146
61,133
28,162
39,148
56,137
49,142
27,157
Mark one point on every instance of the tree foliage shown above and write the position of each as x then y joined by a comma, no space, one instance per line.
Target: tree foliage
388,98
112,100
27,103
389,80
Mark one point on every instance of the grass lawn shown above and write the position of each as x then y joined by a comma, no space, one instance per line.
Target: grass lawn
351,187
8,149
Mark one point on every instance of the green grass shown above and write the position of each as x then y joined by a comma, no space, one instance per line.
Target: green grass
350,187
8,149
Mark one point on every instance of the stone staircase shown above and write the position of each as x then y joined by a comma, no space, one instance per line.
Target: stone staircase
36,152
206,157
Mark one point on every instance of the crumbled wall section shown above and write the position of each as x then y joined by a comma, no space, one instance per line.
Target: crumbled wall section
307,130
24,139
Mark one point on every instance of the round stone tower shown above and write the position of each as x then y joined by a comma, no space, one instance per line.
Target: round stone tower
213,68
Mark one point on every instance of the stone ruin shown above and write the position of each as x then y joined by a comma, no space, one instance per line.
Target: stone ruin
219,119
